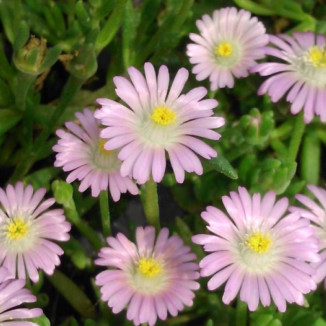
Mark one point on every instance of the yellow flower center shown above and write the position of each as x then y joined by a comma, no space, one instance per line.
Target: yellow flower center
163,116
258,242
317,57
17,229
224,49
101,144
149,267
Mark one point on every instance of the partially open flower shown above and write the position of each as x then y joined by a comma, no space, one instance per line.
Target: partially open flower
80,150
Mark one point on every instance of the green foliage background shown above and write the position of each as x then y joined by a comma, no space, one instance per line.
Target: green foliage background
58,57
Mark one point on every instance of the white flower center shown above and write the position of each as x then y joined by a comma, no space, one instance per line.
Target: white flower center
256,252
104,159
18,234
227,54
148,275
159,128
311,66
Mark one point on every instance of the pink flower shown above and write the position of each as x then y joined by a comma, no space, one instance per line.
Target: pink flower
151,278
229,44
155,121
80,150
317,214
258,251
301,73
13,294
27,229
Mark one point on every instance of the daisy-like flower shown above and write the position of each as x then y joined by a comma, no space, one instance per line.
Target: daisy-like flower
229,44
27,229
301,73
155,121
258,251
14,294
151,277
81,151
317,214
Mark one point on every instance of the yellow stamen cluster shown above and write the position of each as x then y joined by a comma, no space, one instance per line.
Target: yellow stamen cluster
258,242
224,49
163,116
101,144
317,56
17,229
149,267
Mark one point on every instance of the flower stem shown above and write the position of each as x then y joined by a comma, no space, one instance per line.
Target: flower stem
296,138
105,212
310,158
241,313
212,94
73,294
83,228
149,200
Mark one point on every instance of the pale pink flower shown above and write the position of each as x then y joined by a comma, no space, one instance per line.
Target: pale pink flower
27,229
80,151
150,277
316,213
300,71
258,250
14,294
155,121
228,45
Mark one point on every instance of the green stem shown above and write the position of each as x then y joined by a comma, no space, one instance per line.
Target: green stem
149,200
73,294
212,94
84,229
105,212
296,138
241,314
310,158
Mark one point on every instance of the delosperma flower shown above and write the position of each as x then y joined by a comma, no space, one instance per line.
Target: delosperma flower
316,213
228,45
27,231
80,151
259,250
300,72
155,121
150,277
13,294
